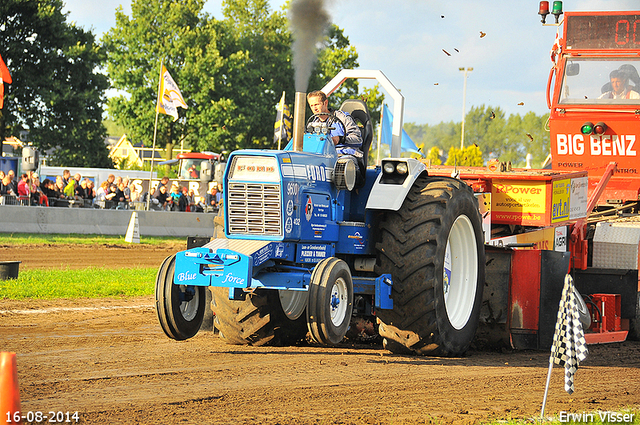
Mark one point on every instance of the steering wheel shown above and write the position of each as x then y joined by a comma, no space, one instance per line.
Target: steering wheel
330,123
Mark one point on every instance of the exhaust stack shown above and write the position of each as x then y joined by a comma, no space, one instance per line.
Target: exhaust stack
298,120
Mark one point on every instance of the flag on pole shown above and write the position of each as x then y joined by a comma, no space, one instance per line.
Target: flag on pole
406,144
284,123
569,347
169,96
5,77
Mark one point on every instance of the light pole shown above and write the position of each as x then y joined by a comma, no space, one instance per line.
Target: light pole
464,101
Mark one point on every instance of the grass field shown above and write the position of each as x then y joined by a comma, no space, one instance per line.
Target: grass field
92,282
34,238
88,283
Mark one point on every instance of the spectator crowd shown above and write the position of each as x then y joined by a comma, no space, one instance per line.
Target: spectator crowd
114,193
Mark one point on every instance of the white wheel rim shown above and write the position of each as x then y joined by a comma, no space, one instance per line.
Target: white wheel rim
293,302
338,302
460,272
189,309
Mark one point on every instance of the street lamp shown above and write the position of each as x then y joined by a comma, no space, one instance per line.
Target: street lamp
464,101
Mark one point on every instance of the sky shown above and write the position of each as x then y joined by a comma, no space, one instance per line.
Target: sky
502,40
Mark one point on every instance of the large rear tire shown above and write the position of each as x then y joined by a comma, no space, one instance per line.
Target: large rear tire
257,320
433,247
180,308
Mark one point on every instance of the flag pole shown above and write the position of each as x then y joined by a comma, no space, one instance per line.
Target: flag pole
546,388
155,132
380,133
281,121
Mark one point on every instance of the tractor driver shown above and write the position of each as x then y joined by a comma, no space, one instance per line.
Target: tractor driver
349,144
619,87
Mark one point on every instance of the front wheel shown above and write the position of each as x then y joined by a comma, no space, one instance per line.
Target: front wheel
433,247
180,308
330,301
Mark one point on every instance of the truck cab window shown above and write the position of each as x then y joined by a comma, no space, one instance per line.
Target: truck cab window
588,81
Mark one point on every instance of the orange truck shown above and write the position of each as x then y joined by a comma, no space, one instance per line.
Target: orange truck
580,215
594,97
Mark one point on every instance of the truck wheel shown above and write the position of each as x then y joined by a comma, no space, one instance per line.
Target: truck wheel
433,247
259,319
180,308
330,301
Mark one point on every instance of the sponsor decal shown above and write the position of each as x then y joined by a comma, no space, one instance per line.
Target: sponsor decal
308,209
560,200
233,280
288,225
183,277
312,253
595,145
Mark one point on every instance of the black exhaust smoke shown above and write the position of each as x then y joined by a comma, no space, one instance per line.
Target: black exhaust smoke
308,20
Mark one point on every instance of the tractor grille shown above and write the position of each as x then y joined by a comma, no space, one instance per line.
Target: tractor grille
254,209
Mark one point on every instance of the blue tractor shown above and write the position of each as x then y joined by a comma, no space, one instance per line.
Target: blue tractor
318,245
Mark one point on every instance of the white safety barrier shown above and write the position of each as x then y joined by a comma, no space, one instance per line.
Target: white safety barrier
91,221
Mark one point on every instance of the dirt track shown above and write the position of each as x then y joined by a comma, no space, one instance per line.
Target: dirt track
110,361
80,256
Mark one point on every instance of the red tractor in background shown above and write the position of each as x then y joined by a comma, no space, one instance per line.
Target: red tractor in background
196,171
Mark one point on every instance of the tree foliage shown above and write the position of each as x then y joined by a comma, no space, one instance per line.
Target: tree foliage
470,156
231,71
57,94
434,156
177,35
496,136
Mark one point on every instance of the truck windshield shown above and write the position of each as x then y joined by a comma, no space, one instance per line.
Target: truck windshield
589,81
190,168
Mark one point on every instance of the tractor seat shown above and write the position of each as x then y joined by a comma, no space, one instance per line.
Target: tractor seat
358,110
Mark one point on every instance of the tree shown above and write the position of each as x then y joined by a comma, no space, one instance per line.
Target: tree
442,135
337,54
499,138
434,156
527,135
178,35
231,72
484,126
57,94
470,156
266,72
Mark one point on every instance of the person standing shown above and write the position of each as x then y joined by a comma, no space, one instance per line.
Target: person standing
24,193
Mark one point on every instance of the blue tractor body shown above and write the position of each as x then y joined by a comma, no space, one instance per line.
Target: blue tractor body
318,245
283,215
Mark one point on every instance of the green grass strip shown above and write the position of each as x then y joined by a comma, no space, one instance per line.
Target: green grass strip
85,283
57,238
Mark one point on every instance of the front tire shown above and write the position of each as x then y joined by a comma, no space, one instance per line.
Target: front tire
180,308
330,301
433,247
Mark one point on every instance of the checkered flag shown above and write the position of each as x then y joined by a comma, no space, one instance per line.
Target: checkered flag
569,347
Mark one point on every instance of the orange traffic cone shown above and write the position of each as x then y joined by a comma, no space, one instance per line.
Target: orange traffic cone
9,391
